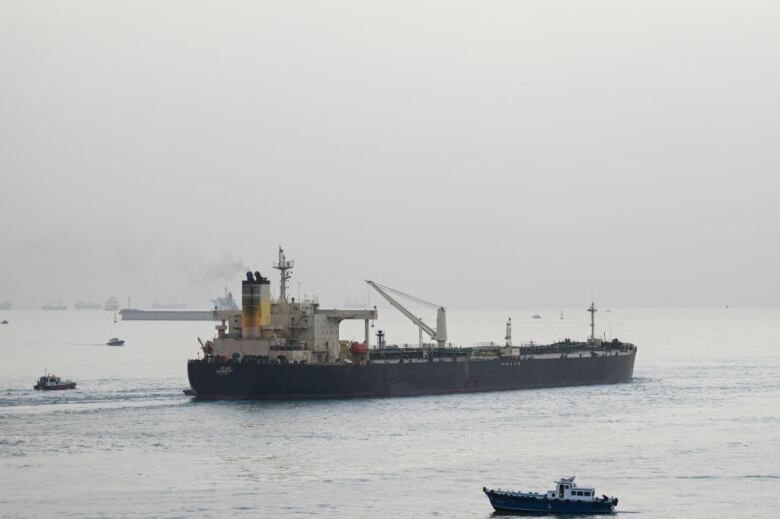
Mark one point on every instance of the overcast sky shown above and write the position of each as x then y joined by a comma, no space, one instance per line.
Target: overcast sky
473,153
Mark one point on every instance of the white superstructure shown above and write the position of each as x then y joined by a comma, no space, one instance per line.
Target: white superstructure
284,329
566,488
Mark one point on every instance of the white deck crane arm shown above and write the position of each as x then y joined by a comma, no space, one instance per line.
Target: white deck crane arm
439,334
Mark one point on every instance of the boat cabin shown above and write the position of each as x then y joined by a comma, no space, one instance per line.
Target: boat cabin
566,488
49,380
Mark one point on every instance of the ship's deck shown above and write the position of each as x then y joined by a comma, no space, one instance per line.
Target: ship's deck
548,351
400,355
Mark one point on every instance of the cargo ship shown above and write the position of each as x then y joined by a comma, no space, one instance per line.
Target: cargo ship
288,349
225,302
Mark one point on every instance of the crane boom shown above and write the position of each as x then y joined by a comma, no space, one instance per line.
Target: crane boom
439,334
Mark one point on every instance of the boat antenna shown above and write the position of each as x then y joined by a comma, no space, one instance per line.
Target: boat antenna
508,331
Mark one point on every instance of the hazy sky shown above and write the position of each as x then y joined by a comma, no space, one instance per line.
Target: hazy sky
473,153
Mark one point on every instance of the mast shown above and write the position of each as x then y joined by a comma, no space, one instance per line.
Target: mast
283,265
508,331
592,311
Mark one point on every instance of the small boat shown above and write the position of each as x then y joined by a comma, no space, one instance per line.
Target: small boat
114,341
536,316
566,498
50,382
3,322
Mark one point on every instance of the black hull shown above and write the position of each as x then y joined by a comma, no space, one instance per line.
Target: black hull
250,379
55,388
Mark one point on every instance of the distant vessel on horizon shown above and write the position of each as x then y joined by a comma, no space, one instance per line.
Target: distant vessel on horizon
51,305
226,302
111,305
5,305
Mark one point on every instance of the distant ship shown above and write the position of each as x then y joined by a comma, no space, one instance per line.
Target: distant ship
5,305
288,349
112,305
81,305
51,305
136,314
226,302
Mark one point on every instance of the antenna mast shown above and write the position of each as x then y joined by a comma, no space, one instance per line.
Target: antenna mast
592,311
283,265
508,331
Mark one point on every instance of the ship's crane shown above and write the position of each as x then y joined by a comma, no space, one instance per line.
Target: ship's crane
439,334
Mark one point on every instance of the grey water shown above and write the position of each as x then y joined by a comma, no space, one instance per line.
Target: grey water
695,434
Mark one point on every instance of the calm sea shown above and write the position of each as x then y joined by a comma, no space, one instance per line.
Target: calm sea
696,434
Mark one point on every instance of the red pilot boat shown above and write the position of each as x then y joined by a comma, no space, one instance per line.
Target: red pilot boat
53,382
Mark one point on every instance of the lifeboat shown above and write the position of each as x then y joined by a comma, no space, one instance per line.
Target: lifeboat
358,348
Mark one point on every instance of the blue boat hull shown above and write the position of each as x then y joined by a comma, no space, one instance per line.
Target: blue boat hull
507,502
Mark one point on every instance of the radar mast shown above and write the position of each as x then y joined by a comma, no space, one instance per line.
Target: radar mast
283,265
